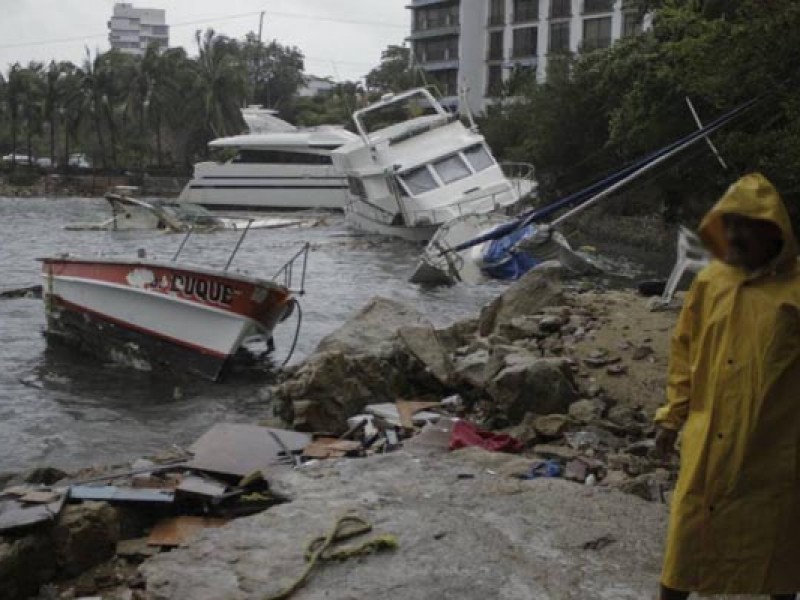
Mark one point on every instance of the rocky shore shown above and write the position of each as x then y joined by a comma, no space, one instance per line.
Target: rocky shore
574,373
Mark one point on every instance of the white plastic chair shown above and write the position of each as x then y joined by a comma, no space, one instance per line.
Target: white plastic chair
692,257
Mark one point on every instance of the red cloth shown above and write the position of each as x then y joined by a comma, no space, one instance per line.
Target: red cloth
466,434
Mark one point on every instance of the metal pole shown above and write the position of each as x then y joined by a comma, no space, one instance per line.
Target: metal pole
239,243
643,169
708,139
183,243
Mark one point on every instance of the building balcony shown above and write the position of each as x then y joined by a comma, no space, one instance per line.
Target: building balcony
596,44
438,65
523,53
494,55
421,34
526,16
420,3
597,6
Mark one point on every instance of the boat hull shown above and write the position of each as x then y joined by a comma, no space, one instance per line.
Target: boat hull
267,193
149,315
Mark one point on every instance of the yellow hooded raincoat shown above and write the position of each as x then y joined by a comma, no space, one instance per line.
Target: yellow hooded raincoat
734,387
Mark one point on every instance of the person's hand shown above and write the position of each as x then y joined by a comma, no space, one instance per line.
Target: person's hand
665,442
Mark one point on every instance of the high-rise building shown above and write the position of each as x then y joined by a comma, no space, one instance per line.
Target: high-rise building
132,30
476,45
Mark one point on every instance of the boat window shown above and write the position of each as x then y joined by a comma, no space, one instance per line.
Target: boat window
357,187
419,180
452,168
479,157
281,157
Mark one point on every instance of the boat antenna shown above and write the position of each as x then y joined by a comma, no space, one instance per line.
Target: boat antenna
239,243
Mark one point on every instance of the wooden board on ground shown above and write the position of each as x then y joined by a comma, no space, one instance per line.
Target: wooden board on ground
175,532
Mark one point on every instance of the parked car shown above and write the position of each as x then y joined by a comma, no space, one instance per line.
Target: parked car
79,161
20,159
44,162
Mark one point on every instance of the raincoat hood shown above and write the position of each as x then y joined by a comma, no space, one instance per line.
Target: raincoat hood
753,196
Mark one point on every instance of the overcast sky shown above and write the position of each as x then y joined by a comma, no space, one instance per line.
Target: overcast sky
340,38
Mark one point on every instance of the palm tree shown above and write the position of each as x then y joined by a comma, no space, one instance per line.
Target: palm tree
32,105
222,85
14,97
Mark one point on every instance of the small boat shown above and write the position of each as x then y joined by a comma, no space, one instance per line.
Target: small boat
275,166
505,258
130,213
163,315
416,166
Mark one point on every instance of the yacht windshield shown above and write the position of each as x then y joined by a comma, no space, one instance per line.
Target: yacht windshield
452,168
479,157
419,180
400,111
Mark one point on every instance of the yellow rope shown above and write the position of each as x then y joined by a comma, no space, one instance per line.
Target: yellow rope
345,528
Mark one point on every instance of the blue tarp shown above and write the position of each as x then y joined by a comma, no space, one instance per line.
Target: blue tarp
500,261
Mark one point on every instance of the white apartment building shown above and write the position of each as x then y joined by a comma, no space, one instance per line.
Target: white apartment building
476,45
132,30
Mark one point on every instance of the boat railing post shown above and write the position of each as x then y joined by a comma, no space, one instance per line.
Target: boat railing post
183,242
238,244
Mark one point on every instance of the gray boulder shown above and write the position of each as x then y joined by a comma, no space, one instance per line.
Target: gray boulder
373,329
528,296
528,383
85,535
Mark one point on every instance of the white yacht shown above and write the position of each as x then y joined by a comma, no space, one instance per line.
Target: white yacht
416,166
275,166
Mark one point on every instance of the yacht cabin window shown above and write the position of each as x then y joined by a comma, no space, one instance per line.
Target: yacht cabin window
281,157
452,168
479,157
419,180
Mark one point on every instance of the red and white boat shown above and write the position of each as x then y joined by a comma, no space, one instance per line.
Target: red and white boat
166,314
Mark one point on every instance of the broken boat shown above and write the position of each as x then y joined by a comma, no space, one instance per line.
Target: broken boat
165,315
416,166
472,249
131,213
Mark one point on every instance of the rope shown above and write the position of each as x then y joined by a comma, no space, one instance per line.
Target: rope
320,549
296,332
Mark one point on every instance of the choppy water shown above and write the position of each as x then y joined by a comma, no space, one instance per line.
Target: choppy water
63,409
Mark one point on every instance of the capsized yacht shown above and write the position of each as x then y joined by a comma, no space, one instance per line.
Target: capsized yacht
416,166
275,166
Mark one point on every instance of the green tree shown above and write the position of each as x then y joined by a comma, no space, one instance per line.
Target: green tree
394,74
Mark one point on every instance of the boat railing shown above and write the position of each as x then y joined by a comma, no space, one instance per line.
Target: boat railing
295,268
522,176
443,214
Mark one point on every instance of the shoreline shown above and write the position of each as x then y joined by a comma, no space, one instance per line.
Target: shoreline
601,356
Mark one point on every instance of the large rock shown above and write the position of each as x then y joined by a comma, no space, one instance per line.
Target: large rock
527,296
528,383
373,329
85,535
26,563
463,532
424,345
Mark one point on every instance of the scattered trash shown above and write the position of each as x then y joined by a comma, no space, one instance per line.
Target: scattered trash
434,438
391,413
466,434
175,532
17,513
111,493
547,468
599,543
238,450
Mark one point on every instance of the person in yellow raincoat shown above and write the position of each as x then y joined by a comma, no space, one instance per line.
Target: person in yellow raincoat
734,389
